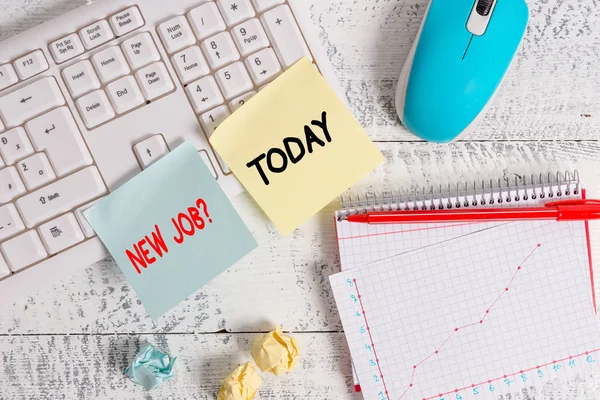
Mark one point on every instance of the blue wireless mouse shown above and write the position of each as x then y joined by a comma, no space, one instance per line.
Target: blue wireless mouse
460,56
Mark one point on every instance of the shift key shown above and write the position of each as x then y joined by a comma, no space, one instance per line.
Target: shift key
61,196
30,101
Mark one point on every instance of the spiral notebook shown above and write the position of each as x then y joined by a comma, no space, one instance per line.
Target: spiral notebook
467,310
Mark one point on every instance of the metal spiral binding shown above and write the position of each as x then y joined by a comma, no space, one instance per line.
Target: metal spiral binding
523,188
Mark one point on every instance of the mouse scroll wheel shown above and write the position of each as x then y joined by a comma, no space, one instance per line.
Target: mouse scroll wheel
484,7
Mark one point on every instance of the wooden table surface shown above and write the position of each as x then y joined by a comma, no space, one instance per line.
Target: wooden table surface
73,339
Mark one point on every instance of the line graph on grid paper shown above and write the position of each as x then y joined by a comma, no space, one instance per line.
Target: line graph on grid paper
472,316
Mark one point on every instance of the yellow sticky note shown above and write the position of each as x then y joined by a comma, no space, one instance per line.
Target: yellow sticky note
295,146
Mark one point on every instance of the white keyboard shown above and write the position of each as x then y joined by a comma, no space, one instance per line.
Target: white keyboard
91,98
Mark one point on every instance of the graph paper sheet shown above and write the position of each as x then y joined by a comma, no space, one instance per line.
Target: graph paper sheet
480,311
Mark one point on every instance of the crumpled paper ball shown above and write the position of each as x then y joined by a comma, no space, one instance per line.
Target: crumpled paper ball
275,352
241,384
151,367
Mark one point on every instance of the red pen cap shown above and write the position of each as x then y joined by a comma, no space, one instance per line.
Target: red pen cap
576,210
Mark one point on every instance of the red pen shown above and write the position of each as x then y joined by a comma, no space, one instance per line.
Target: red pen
569,210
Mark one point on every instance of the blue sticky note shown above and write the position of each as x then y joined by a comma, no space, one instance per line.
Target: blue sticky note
171,229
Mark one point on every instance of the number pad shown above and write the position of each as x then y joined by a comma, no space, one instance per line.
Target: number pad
250,37
204,94
15,145
36,171
263,5
11,185
236,11
176,34
190,64
234,80
211,120
263,66
236,103
206,20
220,50
285,35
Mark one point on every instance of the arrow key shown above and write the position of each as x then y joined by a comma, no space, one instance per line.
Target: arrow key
150,150
204,94
263,66
220,50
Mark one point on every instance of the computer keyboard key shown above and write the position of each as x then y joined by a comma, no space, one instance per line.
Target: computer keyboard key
87,229
11,185
190,64
222,164
236,103
14,145
31,64
57,134
150,150
154,80
29,101
126,21
61,233
81,78
176,34
206,20
66,48
234,80
23,250
263,5
236,11
8,76
140,50
285,36
110,64
95,108
204,94
250,37
36,171
10,221
125,94
4,270
220,50
208,162
61,196
211,120
96,34
263,66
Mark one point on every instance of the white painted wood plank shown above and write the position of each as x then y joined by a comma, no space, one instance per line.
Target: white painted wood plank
91,367
286,279
551,92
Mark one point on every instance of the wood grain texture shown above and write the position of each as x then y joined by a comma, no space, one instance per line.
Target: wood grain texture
73,340
550,92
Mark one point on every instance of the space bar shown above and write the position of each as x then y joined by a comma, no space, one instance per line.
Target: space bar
61,196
